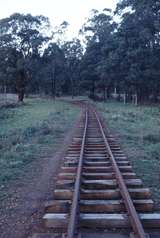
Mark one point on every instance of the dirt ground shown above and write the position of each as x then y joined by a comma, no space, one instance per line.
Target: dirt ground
21,213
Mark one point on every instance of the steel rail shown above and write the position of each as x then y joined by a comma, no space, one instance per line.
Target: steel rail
76,196
133,216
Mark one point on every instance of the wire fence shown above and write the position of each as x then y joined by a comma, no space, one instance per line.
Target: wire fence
6,98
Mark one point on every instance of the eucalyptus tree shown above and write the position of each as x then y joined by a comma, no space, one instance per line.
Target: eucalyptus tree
88,66
124,55
139,31
99,31
59,33
54,67
26,35
73,51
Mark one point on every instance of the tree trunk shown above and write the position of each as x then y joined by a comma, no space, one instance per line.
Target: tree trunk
20,85
104,93
53,82
143,94
72,88
108,92
78,90
5,89
119,97
93,90
20,96
155,96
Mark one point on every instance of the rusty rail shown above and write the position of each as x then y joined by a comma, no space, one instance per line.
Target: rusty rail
133,216
96,185
75,202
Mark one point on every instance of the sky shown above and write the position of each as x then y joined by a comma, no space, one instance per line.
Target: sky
72,11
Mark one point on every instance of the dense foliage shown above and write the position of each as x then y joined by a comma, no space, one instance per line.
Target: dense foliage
122,57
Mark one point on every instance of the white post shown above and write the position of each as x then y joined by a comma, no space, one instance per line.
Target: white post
136,99
5,94
124,98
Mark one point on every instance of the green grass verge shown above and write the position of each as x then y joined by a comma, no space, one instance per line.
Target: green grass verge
139,132
29,132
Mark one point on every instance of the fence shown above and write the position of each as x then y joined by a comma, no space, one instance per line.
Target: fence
8,98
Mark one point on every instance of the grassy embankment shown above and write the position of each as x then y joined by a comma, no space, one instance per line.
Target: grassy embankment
29,132
139,131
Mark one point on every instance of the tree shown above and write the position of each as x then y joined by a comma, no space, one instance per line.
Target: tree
59,33
124,56
99,31
24,34
7,59
54,64
139,32
73,52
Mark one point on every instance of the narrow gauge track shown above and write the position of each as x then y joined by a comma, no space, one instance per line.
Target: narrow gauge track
97,188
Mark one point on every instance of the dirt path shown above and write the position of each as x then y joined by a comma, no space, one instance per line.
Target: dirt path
21,214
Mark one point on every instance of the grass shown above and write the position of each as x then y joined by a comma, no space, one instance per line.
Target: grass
29,132
139,131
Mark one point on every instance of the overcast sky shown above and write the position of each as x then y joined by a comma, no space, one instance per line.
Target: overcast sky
73,11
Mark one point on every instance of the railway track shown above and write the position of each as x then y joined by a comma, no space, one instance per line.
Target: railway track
97,188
